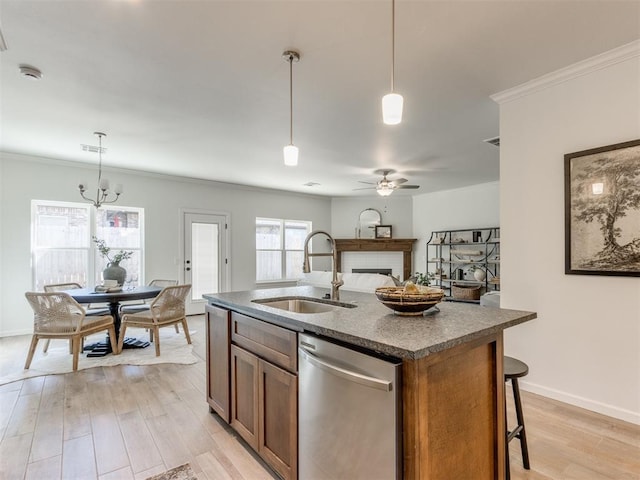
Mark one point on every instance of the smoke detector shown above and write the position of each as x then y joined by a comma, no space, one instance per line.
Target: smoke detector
30,72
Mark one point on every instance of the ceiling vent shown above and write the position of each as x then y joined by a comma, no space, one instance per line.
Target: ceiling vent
495,141
92,148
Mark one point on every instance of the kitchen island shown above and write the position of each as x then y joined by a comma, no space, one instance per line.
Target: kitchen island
453,410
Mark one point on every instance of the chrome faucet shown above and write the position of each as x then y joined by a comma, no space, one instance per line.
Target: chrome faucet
306,268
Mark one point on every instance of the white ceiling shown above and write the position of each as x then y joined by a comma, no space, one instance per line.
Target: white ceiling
199,88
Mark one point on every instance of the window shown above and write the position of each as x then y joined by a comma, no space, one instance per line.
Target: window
280,248
61,246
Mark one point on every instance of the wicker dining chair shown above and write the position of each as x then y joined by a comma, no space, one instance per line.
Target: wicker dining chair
168,308
57,315
91,311
144,305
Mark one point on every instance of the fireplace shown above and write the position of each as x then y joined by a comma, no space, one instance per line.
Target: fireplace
381,271
384,246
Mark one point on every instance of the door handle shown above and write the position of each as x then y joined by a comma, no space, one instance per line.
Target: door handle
347,374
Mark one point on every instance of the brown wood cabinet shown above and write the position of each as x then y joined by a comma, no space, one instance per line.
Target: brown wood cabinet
218,368
264,391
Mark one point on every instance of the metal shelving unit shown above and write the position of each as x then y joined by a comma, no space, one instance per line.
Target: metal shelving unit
451,254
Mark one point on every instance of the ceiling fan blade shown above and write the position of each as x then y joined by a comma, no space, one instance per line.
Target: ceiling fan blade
368,183
398,181
365,188
408,186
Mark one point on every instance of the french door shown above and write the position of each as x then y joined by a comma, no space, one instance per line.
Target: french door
205,256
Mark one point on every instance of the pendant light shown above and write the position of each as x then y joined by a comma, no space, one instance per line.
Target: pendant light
392,102
102,192
291,151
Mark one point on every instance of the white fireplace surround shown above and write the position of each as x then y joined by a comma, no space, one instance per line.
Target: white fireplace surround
392,260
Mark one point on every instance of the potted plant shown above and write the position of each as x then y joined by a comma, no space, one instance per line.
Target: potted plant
113,271
423,278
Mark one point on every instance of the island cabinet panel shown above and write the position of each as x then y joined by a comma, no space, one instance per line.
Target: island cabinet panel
454,413
278,414
244,395
264,391
218,367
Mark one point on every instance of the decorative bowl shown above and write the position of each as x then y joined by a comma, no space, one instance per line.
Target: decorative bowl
409,304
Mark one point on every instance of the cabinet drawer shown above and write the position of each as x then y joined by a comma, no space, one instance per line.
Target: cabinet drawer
275,344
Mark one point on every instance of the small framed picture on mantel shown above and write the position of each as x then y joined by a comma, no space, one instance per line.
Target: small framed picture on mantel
383,231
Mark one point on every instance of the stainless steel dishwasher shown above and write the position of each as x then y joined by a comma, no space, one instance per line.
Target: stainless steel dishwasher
349,413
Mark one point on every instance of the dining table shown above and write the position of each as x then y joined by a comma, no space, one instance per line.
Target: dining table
113,298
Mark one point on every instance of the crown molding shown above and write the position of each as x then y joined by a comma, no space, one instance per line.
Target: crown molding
584,67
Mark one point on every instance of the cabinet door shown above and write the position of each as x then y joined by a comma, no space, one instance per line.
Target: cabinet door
218,371
278,413
244,395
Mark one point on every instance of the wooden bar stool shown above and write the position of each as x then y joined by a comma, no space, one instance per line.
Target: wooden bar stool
514,369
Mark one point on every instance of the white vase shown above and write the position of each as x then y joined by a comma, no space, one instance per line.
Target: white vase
479,274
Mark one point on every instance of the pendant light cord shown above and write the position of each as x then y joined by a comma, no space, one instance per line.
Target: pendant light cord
393,43
291,99
99,159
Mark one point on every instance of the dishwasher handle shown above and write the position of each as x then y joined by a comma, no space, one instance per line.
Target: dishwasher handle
347,374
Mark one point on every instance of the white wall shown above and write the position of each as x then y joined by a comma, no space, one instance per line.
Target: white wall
470,207
584,347
25,178
395,210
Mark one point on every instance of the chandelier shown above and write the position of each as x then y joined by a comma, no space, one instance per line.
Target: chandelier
102,192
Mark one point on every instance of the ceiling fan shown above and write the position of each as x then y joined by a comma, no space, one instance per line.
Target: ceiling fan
385,187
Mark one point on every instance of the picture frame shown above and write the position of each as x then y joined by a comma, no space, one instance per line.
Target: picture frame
383,231
602,210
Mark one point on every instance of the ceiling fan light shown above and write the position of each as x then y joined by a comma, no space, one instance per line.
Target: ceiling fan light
392,108
290,155
384,191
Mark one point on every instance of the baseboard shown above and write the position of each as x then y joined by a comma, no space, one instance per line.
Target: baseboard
603,408
13,333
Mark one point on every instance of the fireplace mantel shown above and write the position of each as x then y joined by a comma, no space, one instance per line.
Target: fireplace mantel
404,245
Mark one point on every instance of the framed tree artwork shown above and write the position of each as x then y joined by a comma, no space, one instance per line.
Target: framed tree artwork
602,210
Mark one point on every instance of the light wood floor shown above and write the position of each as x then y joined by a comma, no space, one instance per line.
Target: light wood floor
131,422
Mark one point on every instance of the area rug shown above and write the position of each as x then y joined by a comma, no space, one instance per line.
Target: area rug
183,472
57,360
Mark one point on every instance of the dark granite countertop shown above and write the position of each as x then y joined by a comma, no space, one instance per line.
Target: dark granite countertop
373,326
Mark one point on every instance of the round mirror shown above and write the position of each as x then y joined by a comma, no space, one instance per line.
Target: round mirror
367,222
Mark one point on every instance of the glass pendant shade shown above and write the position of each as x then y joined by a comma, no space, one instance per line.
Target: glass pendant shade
392,108
290,155
384,191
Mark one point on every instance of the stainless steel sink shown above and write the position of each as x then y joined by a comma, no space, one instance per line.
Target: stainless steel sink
303,304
